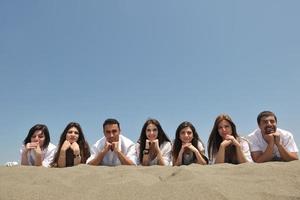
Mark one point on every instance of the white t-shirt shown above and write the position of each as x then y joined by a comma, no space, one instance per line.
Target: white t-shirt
166,150
257,142
111,159
244,147
47,155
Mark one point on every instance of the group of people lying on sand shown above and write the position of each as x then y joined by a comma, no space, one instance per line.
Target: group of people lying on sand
266,143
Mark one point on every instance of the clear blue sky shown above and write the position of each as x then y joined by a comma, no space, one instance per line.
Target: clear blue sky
85,61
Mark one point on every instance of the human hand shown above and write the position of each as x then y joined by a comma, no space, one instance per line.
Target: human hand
233,140
75,148
38,150
269,138
225,143
108,146
66,145
31,145
147,145
276,136
115,146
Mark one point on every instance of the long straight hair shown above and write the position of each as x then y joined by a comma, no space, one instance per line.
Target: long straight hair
162,137
215,140
178,143
83,145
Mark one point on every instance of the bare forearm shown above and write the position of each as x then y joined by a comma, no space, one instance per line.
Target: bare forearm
38,160
98,159
285,155
240,155
200,159
24,159
265,156
220,156
61,159
123,159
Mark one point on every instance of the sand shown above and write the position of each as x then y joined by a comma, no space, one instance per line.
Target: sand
273,180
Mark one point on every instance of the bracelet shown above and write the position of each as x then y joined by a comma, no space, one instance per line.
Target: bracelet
146,151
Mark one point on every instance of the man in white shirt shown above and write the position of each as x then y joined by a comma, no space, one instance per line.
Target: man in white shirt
269,143
113,149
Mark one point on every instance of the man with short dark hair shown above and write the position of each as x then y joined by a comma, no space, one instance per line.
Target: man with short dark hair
113,149
269,143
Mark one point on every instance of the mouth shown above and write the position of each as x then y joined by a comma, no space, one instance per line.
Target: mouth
270,129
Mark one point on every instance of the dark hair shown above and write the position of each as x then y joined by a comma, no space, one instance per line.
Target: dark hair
38,127
111,121
215,139
162,137
83,146
178,143
265,114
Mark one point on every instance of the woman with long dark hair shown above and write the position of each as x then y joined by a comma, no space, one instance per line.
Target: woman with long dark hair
37,149
224,144
154,146
188,148
72,149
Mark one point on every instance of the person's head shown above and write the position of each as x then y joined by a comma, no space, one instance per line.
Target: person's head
152,130
111,130
267,122
72,133
185,133
39,133
223,126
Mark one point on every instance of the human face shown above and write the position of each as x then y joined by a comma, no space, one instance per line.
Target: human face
38,137
112,132
151,132
186,135
224,128
72,135
268,125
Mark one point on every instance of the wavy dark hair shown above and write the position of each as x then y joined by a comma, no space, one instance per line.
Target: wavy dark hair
178,143
38,127
83,146
215,140
162,137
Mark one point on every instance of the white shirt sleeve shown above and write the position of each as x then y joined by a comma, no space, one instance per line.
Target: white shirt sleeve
254,141
246,149
288,141
166,151
49,155
131,153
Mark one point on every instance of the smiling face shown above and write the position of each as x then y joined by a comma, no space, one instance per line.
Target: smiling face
72,135
268,125
151,132
38,137
186,135
224,128
112,132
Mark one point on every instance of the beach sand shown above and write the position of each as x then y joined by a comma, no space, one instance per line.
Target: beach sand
273,180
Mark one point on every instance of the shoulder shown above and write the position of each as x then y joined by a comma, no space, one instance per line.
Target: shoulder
51,147
255,133
284,133
126,140
200,146
100,142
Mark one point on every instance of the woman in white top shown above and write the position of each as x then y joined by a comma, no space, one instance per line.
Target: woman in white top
188,148
72,149
224,144
37,149
154,146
